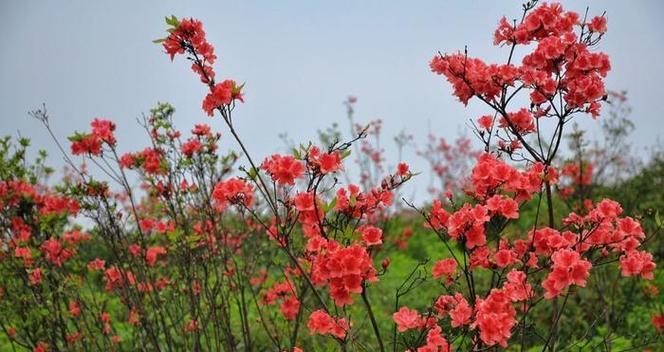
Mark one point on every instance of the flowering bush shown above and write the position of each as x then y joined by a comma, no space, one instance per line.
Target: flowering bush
450,164
175,247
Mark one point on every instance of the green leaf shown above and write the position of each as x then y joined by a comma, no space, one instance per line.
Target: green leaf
330,205
172,21
252,173
345,154
173,236
159,41
296,153
77,136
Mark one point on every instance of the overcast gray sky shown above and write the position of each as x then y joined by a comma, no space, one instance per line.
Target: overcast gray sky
299,60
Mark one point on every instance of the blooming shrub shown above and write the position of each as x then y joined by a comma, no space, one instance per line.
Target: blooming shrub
450,164
281,255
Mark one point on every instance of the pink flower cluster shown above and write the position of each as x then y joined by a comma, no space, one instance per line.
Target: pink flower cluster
284,170
568,268
322,323
560,63
233,191
407,319
150,160
324,163
91,143
284,292
472,77
343,270
310,214
188,35
495,317
352,202
545,21
492,174
222,94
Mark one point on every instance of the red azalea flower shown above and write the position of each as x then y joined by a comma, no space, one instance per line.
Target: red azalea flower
233,191
283,169
407,319
444,267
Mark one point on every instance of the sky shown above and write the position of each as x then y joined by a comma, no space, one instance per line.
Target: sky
299,59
